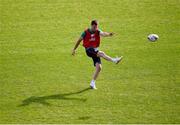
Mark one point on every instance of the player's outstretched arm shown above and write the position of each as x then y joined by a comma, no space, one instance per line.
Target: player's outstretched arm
76,45
106,34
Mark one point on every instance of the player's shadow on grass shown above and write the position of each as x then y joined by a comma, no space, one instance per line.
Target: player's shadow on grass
43,99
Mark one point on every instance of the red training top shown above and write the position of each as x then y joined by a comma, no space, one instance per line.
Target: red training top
91,40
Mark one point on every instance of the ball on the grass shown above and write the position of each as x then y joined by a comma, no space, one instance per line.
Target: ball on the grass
153,37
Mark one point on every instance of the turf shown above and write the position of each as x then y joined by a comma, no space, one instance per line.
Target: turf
40,82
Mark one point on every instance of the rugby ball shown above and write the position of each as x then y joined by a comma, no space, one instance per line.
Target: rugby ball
153,37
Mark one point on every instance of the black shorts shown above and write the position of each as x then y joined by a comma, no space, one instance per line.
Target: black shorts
93,54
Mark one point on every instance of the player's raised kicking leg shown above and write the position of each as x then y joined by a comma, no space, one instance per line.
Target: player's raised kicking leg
108,58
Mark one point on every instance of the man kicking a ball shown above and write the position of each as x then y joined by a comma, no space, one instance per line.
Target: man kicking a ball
91,42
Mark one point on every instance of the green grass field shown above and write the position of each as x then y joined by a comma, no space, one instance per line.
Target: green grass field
40,82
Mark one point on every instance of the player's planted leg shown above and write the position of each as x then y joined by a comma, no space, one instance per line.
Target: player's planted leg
95,75
108,58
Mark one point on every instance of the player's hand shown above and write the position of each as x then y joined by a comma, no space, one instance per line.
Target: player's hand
111,34
73,52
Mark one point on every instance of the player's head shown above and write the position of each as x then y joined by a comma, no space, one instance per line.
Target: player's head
94,25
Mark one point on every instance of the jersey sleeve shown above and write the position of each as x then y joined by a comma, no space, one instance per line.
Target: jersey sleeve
83,34
100,31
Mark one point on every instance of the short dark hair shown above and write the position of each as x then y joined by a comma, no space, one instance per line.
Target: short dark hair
94,22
